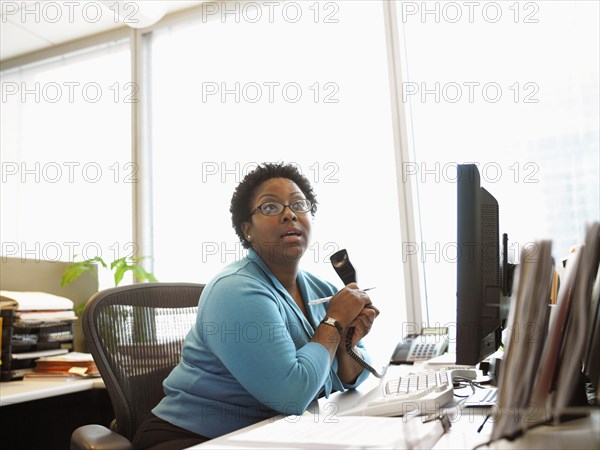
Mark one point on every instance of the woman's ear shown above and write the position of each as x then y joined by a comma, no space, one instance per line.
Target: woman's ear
247,230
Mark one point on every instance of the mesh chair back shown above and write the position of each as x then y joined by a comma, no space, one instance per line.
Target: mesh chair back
135,334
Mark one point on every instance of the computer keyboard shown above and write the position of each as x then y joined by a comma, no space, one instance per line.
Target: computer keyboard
482,397
401,393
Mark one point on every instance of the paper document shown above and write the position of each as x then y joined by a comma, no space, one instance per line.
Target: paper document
46,316
35,301
81,364
323,431
70,357
39,353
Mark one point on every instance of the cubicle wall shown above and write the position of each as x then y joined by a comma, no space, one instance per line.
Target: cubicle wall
17,274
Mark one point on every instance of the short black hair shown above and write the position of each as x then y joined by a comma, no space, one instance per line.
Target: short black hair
242,196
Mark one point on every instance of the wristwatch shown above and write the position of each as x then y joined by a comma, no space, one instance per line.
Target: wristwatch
333,323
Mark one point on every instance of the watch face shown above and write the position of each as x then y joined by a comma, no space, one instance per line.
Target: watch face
334,323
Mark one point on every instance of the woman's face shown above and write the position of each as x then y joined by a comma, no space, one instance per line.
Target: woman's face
279,239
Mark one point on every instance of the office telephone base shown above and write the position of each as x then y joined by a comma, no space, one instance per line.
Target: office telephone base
401,392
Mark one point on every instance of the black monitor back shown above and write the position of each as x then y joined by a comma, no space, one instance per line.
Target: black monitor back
479,288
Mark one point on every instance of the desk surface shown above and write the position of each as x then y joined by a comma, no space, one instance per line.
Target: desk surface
578,434
582,433
12,392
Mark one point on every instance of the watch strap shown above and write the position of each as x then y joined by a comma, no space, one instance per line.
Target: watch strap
333,323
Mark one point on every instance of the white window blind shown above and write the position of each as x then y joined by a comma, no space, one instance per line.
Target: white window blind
308,85
66,166
513,87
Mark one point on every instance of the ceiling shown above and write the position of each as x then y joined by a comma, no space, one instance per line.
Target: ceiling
29,26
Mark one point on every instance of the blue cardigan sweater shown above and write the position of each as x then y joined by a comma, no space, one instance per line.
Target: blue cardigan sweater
249,355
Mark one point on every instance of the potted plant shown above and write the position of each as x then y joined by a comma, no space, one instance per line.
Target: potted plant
119,266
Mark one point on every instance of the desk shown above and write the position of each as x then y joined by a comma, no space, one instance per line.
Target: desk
43,413
13,392
581,434
577,434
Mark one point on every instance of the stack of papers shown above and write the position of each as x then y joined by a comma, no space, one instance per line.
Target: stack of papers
70,364
34,307
38,324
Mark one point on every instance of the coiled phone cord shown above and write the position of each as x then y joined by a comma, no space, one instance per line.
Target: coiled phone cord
357,358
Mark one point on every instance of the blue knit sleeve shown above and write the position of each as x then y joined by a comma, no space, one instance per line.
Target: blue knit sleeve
245,326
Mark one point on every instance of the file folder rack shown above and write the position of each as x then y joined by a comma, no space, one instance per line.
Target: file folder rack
23,343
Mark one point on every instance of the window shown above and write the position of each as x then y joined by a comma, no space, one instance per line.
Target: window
66,167
232,91
512,86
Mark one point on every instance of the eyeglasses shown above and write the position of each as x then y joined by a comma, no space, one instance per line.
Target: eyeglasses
275,208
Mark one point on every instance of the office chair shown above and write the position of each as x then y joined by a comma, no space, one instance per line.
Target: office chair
135,334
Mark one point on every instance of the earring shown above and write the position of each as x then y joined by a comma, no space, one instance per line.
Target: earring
248,237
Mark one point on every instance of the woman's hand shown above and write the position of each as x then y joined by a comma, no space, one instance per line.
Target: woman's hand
348,368
362,324
348,305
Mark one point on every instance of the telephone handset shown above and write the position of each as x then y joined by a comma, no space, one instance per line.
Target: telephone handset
341,263
431,342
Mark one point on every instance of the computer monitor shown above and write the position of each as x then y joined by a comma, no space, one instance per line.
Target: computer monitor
480,287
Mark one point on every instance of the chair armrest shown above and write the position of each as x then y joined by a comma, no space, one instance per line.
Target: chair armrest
98,437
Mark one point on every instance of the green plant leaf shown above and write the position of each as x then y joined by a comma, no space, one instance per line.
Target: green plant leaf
141,274
150,277
98,260
75,270
118,262
79,310
121,268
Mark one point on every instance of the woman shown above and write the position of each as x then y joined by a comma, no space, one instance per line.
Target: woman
258,348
